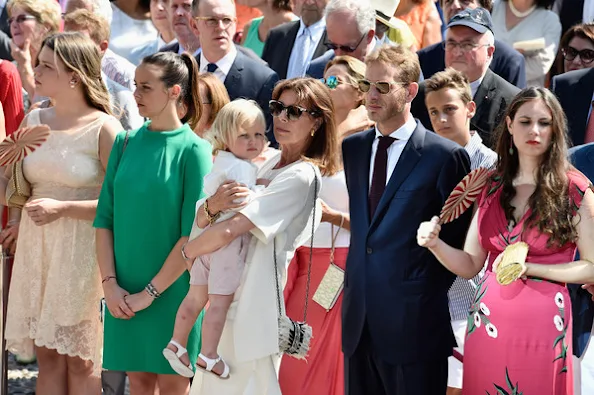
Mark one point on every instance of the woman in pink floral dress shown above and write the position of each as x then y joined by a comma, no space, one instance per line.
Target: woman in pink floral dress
519,335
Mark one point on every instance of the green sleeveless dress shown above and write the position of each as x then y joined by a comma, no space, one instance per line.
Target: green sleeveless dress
252,40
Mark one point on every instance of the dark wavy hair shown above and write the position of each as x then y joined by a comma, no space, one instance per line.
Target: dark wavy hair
282,5
541,3
552,209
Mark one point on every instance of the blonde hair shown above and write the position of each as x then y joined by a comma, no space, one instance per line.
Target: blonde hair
403,59
355,67
231,121
449,79
95,24
47,12
216,93
81,56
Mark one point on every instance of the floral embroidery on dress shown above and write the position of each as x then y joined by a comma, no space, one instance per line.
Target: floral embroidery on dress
479,312
511,388
559,323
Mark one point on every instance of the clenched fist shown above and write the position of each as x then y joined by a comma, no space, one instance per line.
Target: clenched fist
428,233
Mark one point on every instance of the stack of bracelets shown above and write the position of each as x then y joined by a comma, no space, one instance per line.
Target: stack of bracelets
151,290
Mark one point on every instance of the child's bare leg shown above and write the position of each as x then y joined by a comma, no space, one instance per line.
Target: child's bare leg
212,328
186,317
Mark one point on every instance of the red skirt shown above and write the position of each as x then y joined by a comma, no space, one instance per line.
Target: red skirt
323,371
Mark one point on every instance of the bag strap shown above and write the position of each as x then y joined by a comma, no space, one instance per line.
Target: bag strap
313,228
125,142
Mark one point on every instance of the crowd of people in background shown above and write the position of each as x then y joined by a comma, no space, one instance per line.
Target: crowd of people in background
215,166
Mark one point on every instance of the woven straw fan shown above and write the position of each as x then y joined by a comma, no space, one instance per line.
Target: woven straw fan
464,195
21,143
512,263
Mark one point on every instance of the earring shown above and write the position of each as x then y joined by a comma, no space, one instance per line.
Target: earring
72,84
511,144
313,131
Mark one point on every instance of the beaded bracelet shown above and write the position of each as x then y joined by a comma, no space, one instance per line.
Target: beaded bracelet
152,291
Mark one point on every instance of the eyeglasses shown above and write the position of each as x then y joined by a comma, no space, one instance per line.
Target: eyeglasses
211,21
293,112
21,18
465,46
343,48
382,87
586,55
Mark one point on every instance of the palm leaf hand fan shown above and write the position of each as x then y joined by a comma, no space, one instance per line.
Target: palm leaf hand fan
21,143
464,194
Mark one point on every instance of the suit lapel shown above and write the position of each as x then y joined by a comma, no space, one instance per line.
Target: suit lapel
582,108
362,171
233,78
405,165
483,95
321,48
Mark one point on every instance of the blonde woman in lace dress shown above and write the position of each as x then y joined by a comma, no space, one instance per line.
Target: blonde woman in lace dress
56,286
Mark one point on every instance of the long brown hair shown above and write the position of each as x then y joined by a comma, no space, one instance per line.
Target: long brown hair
552,210
81,56
315,96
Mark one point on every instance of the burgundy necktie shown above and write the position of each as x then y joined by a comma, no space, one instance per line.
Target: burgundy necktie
380,170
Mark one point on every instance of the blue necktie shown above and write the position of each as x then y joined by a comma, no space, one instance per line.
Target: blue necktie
211,67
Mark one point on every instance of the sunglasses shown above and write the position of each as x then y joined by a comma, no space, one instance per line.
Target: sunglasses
20,19
382,87
343,48
586,55
331,82
293,112
211,21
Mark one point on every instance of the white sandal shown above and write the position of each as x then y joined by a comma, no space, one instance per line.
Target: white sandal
210,364
176,363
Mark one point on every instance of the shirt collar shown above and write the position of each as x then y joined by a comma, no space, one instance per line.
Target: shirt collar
315,29
224,64
474,144
402,133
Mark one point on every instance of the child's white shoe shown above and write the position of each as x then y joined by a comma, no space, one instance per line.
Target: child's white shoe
210,364
176,363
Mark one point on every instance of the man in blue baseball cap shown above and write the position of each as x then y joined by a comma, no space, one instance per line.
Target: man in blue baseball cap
469,48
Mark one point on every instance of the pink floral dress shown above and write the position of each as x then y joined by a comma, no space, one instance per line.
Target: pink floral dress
519,336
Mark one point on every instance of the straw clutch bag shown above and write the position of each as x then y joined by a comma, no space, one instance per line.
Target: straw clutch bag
512,263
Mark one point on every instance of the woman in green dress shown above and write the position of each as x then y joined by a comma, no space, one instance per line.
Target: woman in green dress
145,213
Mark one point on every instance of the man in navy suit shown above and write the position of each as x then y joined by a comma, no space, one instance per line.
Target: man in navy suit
396,332
507,62
243,77
582,306
575,91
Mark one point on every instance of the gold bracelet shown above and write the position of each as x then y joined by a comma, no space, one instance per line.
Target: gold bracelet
211,218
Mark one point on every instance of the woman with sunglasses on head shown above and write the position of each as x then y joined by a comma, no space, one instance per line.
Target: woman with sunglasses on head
146,208
577,48
342,75
30,22
213,97
280,220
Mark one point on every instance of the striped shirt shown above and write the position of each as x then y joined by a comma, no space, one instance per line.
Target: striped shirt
462,291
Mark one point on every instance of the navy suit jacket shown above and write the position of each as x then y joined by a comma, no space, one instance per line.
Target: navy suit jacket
574,91
507,62
582,306
395,286
317,66
250,79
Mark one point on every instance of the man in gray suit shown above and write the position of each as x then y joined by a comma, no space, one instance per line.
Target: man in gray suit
350,29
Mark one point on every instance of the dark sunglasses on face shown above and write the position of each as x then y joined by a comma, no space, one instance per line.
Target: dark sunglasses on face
20,19
586,55
293,112
382,87
343,48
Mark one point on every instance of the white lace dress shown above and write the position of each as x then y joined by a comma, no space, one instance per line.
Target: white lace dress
55,288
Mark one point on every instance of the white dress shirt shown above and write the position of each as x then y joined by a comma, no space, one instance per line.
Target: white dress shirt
223,65
588,15
395,150
298,60
474,85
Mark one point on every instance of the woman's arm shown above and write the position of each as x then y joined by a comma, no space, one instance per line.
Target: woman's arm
217,236
223,200
467,263
539,63
335,217
578,272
